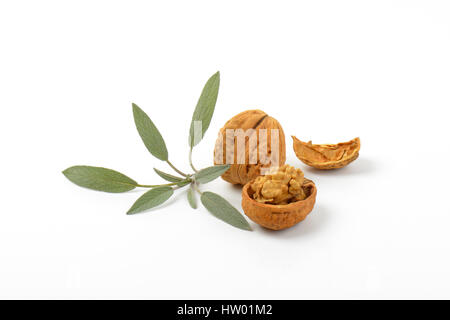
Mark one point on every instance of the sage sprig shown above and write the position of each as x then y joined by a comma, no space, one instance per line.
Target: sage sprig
107,180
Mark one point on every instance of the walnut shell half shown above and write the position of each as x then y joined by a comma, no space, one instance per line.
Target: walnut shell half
277,217
240,171
327,156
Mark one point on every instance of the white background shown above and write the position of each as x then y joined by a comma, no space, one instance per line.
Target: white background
327,70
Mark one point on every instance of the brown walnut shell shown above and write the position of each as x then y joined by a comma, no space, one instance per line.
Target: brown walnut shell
277,217
250,119
327,156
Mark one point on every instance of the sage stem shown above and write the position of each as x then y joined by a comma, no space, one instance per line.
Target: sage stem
190,160
156,185
176,170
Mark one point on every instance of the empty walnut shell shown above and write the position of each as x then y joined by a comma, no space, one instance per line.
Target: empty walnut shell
327,156
277,217
242,172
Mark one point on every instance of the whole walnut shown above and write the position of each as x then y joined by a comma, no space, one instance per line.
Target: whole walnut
249,151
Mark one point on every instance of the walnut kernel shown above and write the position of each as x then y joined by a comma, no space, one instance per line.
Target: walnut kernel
281,187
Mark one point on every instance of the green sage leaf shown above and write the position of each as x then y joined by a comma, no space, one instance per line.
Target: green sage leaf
191,198
181,182
223,210
150,134
150,199
100,179
209,174
167,176
184,182
205,108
